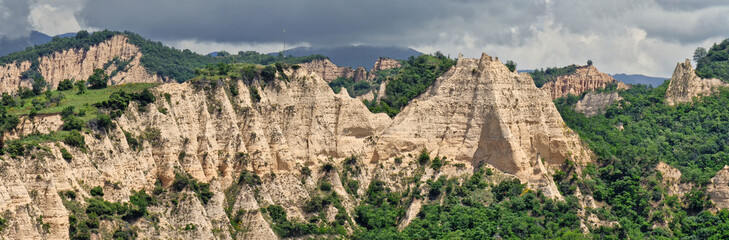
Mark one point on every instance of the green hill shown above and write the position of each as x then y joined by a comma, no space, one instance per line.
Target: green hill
157,58
716,62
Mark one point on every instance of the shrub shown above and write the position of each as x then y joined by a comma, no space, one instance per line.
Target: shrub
72,123
15,148
153,135
168,98
424,157
98,79
268,73
325,186
66,155
104,121
66,84
250,178
507,188
97,191
133,142
75,139
70,194
81,85
124,234
327,167
255,96
202,190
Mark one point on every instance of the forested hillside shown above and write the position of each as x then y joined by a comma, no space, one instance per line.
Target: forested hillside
714,63
631,137
157,58
409,81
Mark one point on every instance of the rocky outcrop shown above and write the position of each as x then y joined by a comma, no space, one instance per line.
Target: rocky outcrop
718,188
328,70
685,85
360,74
586,78
492,117
671,179
385,63
79,64
595,103
488,116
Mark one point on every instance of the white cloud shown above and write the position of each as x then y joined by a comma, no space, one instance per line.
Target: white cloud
55,17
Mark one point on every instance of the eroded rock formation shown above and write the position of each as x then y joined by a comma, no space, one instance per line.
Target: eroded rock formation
718,188
79,64
595,103
385,63
491,117
684,84
328,70
586,78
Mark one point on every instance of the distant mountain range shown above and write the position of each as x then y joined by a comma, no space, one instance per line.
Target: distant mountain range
8,46
640,79
354,56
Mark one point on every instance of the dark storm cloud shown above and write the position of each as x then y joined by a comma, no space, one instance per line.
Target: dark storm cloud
643,36
326,22
14,18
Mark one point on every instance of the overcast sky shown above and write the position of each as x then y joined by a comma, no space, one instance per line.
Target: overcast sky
620,36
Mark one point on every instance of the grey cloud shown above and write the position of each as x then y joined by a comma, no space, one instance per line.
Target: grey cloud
327,22
14,18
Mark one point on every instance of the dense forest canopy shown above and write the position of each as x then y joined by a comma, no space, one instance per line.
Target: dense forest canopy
715,64
157,58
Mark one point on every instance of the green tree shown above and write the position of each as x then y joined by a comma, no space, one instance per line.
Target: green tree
98,79
81,85
699,53
511,65
64,85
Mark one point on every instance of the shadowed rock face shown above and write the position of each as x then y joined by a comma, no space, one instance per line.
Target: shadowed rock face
684,84
79,64
478,113
585,78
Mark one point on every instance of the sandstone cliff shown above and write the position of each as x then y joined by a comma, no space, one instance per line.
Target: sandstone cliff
384,64
718,189
491,117
79,64
586,78
684,84
595,103
328,70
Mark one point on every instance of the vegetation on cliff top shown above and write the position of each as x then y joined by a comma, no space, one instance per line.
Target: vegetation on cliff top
714,63
412,79
157,59
543,76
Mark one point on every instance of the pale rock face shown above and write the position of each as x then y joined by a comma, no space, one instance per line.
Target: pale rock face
79,64
595,103
328,70
672,180
684,84
492,117
585,78
719,188
385,63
